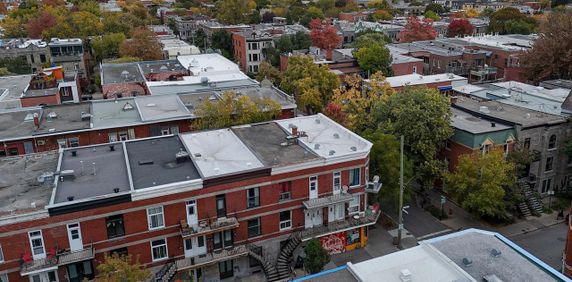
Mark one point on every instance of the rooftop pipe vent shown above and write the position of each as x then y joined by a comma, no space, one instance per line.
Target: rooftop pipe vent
496,253
467,262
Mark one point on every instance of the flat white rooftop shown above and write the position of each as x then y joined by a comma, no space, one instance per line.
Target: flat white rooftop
219,152
326,138
417,79
512,42
422,262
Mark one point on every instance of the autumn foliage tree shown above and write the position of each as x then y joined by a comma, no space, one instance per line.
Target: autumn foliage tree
551,54
120,268
143,44
324,35
459,27
417,30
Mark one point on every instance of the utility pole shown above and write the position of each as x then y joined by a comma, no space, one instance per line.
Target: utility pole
400,228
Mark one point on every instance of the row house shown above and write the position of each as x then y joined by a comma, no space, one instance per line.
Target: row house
212,205
52,86
445,83
33,51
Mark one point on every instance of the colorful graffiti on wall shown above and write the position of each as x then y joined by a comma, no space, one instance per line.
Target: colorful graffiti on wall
334,243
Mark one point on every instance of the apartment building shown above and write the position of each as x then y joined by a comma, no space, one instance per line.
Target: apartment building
184,206
69,54
248,48
52,86
34,51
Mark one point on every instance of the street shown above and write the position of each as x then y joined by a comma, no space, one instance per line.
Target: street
547,244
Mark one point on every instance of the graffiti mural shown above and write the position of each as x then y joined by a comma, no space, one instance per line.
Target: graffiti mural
334,243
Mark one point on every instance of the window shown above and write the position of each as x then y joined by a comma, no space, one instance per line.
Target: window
159,249
123,136
3,277
223,239
546,185
414,69
355,177
1,255
337,183
527,143
42,58
485,149
81,271
285,191
114,226
255,68
155,218
112,137
447,144
74,142
37,244
121,252
354,205
285,220
313,183
62,143
255,57
254,227
253,197
226,269
165,131
552,142
548,166
220,206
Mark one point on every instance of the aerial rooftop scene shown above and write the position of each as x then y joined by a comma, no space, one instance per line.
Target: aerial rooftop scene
221,140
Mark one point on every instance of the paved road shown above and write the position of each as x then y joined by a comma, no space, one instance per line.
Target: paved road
418,222
546,244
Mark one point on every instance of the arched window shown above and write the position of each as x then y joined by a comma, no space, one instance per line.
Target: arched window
552,142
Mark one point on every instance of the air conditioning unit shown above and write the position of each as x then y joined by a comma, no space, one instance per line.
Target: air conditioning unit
41,142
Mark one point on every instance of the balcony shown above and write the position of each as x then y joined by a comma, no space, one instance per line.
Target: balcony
373,186
326,201
204,228
53,261
211,258
369,218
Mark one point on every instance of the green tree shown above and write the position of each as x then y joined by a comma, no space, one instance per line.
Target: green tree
384,162
316,257
437,8
374,58
310,14
487,12
143,44
234,11
17,65
432,15
312,84
423,117
267,71
511,20
234,110
222,40
4,72
121,268
481,182
107,46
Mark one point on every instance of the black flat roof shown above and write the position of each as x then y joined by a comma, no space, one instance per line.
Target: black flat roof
153,162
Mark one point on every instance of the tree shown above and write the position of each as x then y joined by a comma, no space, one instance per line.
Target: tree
310,14
17,65
471,13
107,46
268,17
312,84
378,4
381,15
120,268
432,15
4,72
384,162
375,58
551,54
143,44
423,117
45,20
416,30
437,8
324,35
234,11
459,27
316,257
222,40
510,20
86,24
267,71
487,12
356,101
480,183
233,110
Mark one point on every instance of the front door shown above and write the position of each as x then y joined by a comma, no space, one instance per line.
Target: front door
318,217
192,218
313,187
48,276
28,147
195,246
308,219
74,235
37,244
331,213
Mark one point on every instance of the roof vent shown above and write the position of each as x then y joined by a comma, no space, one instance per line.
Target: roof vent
197,155
216,170
85,116
493,124
336,136
70,198
127,107
317,121
353,148
181,156
405,275
116,190
496,253
151,105
467,262
145,162
316,146
484,109
52,115
331,152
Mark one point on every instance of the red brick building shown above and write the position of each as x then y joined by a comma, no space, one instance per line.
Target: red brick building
183,207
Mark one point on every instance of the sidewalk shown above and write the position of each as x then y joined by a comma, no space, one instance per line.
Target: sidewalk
529,224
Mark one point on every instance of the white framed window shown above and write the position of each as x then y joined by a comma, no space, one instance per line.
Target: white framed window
165,131
414,69
155,218
337,183
37,244
355,177
313,183
62,143
112,137
252,197
4,277
285,220
123,136
1,255
354,205
74,142
159,249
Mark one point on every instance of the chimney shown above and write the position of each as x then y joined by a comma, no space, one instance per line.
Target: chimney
295,130
36,120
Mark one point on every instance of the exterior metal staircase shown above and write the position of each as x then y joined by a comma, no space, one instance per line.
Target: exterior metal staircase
534,204
285,256
266,261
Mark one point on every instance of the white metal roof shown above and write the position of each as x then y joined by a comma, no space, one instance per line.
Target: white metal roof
219,152
417,79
